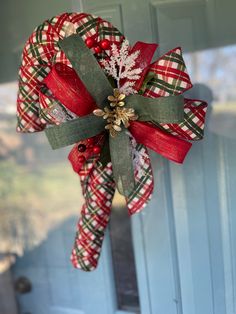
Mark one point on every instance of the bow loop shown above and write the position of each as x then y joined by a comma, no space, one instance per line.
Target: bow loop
69,89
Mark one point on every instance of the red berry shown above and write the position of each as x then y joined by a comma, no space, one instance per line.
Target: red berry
105,44
81,159
81,148
90,140
89,42
97,149
97,49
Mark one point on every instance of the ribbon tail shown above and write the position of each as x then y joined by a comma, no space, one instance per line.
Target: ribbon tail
95,214
122,162
144,182
74,131
164,144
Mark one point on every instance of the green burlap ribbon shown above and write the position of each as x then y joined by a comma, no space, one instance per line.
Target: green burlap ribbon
160,110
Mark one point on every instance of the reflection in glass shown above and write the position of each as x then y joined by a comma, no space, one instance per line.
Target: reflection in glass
33,193
215,68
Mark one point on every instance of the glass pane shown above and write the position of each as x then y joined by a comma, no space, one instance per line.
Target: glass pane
34,182
213,74
40,199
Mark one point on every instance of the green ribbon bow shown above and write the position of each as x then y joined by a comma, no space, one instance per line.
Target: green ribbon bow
159,110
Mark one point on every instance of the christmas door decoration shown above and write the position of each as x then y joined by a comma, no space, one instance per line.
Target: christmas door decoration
83,83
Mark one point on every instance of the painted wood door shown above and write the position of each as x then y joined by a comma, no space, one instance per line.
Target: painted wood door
185,239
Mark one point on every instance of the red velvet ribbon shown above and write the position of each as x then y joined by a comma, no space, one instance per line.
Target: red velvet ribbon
161,142
68,88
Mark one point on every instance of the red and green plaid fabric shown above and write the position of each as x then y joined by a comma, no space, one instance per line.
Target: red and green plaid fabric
192,127
169,77
98,188
40,53
144,184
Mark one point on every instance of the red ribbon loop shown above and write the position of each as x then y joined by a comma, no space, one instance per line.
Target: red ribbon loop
164,144
68,88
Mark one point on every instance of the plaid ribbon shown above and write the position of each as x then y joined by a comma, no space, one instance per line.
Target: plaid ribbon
98,188
41,52
170,77
34,101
